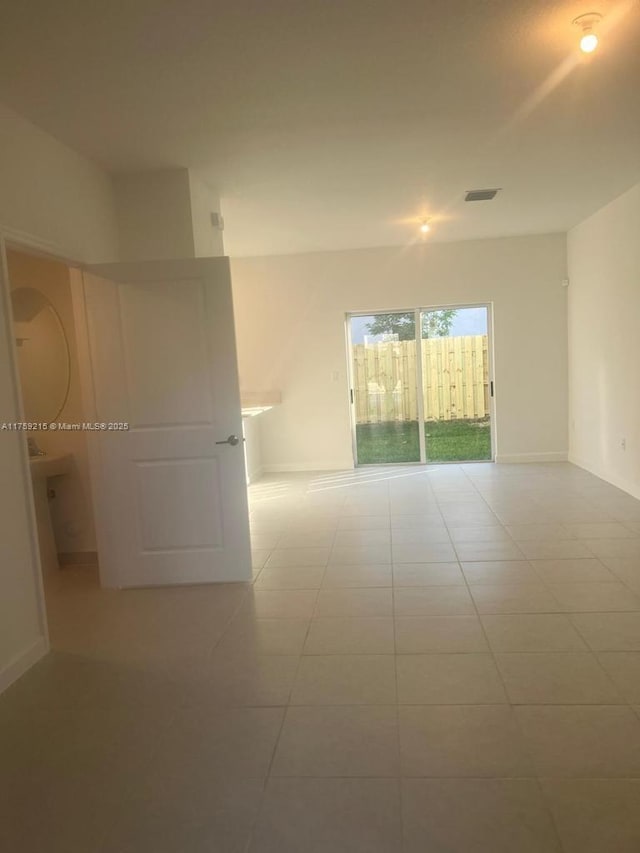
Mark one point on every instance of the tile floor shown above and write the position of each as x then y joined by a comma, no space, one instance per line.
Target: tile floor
438,659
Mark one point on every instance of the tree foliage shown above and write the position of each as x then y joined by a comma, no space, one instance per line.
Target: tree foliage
435,324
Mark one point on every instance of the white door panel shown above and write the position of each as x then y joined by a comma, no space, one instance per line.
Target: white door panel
163,360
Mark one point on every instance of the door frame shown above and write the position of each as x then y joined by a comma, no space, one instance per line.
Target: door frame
22,241
420,396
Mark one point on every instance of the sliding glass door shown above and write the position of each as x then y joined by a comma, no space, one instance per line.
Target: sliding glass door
420,385
384,388
456,385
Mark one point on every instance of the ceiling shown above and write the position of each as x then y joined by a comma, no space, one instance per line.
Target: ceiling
332,125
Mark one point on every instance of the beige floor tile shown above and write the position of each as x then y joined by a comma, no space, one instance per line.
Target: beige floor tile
404,521
556,678
338,741
423,552
476,816
59,680
366,507
581,512
427,535
555,550
585,741
267,603
537,532
306,539
246,635
72,813
322,815
601,530
513,598
427,574
290,577
572,571
360,576
259,557
299,557
350,635
626,570
499,571
247,680
448,679
615,547
482,551
623,669
609,631
264,541
479,534
454,516
354,602
461,740
358,538
360,555
532,632
126,729
594,597
432,601
364,522
220,816
345,680
424,634
204,743
595,815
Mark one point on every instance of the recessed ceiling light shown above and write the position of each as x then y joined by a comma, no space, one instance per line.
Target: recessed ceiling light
587,22
425,227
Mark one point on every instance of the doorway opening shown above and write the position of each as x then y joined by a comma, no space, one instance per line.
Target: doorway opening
421,386
49,364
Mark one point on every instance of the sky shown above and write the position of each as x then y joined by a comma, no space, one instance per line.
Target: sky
468,321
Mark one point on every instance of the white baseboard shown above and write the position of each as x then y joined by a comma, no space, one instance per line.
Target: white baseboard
627,486
285,467
549,456
24,661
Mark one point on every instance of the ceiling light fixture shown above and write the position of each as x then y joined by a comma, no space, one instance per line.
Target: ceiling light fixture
587,22
425,227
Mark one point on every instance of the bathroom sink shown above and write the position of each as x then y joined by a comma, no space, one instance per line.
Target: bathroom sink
43,467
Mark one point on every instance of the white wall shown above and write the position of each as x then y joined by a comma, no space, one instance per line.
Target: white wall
604,342
166,213
154,215
55,197
49,192
207,238
252,447
290,330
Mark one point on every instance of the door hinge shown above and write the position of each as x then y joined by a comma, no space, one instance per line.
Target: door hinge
491,387
351,393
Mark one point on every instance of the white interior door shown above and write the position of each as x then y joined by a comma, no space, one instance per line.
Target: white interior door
171,498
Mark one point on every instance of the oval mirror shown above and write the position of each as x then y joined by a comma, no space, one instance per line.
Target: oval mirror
43,355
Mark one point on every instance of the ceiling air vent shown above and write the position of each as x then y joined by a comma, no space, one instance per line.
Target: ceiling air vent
481,195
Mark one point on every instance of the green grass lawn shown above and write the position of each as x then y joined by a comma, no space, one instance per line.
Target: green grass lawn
447,441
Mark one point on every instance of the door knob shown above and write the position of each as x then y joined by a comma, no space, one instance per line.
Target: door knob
233,440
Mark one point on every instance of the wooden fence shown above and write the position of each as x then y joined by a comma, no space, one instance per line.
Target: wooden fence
455,377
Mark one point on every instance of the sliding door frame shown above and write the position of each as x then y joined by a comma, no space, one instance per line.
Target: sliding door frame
418,312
